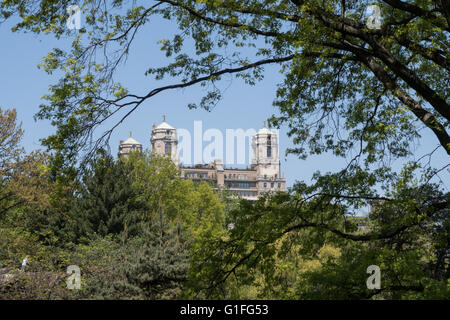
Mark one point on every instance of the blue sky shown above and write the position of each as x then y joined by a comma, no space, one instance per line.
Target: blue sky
22,85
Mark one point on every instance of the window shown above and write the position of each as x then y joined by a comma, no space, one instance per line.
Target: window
265,176
265,185
271,185
276,175
168,148
279,185
269,152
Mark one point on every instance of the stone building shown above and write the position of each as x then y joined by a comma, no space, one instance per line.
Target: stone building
263,176
164,140
128,146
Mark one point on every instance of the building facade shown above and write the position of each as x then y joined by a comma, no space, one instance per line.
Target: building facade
263,175
164,140
127,146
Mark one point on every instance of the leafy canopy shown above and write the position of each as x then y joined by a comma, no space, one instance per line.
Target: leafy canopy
361,93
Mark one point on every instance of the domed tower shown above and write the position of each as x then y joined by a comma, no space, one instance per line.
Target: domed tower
265,154
127,146
164,140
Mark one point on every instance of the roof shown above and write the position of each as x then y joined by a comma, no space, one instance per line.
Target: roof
264,131
164,125
130,140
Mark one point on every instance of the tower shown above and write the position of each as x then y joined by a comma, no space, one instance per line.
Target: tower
265,154
164,140
127,146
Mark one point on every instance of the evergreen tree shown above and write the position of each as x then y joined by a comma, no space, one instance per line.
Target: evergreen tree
107,202
159,262
151,266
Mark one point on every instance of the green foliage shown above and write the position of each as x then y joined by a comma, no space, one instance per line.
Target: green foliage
288,248
158,262
348,90
133,229
107,202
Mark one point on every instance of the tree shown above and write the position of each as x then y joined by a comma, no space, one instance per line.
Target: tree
10,135
107,202
159,184
10,153
160,258
189,217
325,49
158,262
359,92
285,249
25,189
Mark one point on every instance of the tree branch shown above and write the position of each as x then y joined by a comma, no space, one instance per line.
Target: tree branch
222,22
430,210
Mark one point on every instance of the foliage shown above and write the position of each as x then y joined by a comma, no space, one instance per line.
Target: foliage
360,93
289,249
106,202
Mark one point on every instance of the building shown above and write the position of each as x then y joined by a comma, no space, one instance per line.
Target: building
128,146
263,176
164,140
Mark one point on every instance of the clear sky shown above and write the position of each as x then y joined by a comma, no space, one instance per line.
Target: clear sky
22,85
